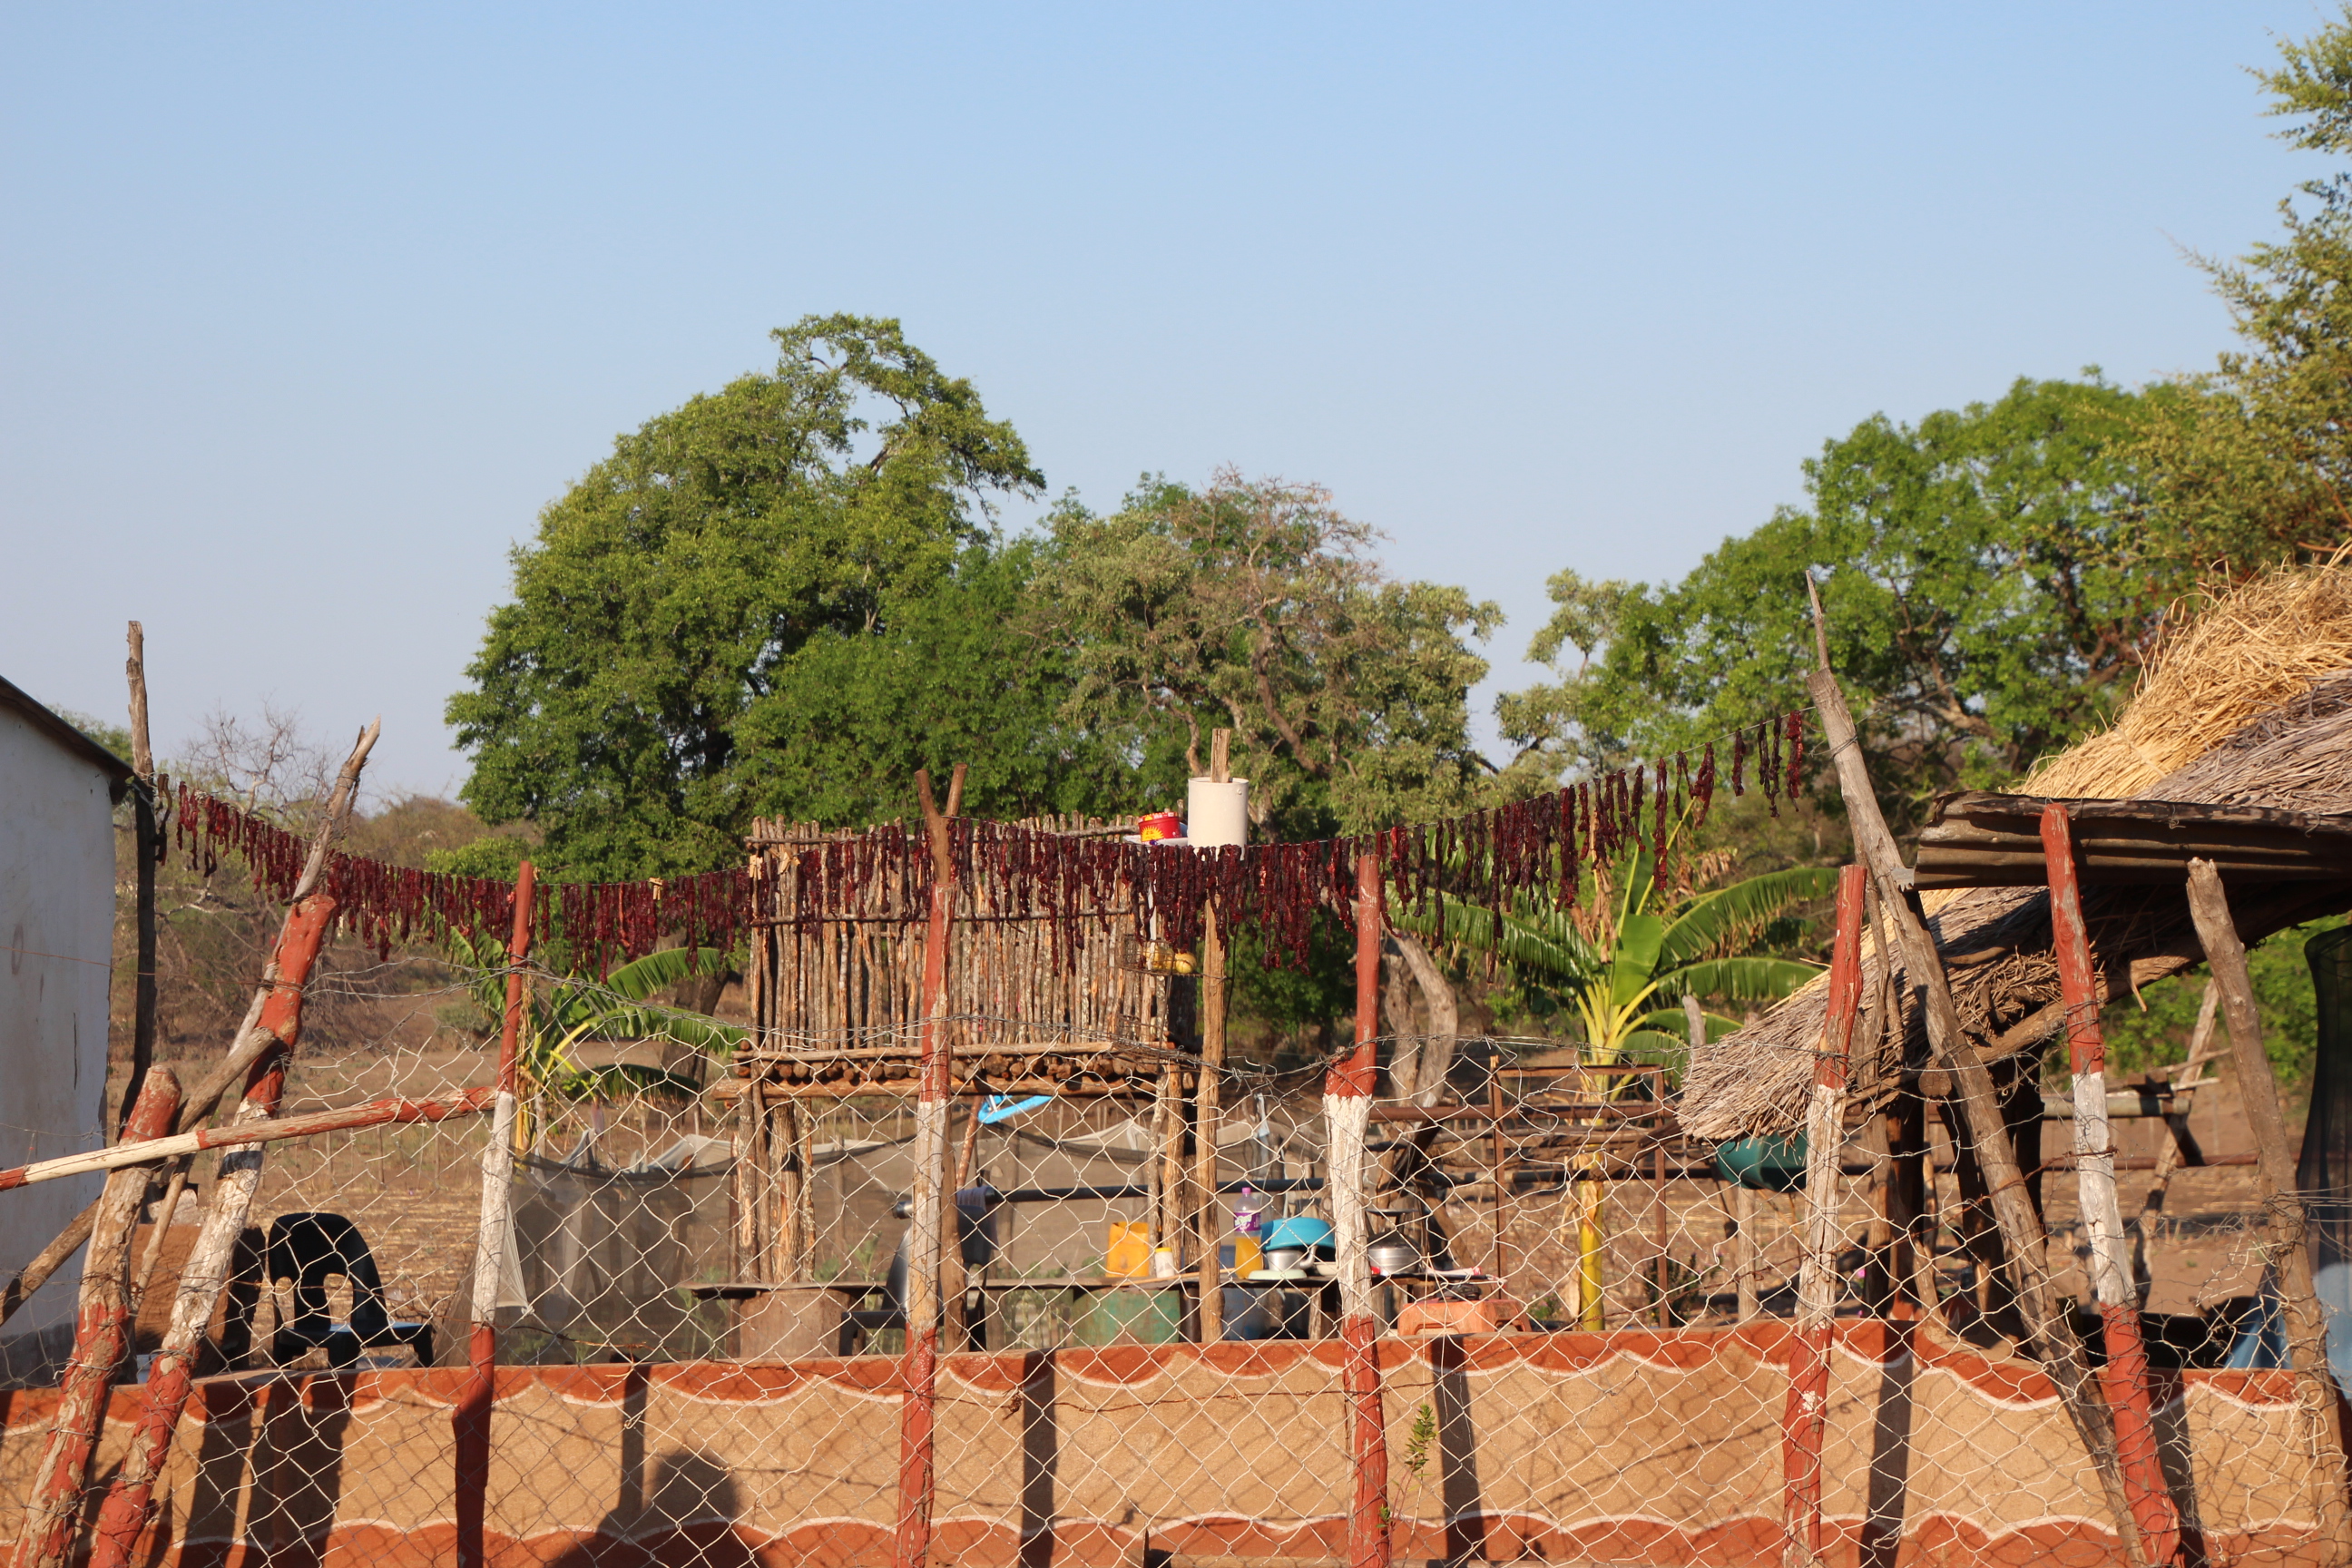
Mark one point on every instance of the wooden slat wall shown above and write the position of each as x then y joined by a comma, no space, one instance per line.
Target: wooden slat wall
832,979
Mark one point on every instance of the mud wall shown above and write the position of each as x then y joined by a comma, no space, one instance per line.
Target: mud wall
1631,1447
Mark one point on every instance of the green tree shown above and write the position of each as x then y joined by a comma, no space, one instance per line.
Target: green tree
683,580
1989,582
1256,605
2254,459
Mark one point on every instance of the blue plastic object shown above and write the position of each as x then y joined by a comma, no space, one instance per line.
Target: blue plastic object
1302,1231
1001,1108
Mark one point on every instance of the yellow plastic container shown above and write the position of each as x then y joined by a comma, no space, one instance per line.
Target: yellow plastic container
1129,1254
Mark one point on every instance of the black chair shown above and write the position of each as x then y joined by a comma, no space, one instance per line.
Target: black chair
309,1248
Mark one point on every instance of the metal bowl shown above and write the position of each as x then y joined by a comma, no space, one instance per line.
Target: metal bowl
1394,1255
1283,1259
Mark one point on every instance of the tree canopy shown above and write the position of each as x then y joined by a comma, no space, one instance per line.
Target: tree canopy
1255,605
1989,578
711,569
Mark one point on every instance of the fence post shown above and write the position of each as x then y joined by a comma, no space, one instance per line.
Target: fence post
2124,1379
101,1336
471,1416
926,1228
2050,1333
2289,1252
1806,1414
1347,1113
205,1275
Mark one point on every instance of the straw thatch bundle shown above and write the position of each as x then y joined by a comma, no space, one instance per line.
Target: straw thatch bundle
2249,704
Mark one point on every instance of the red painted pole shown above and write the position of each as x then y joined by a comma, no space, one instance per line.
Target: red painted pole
2124,1379
926,1227
471,1417
1346,1109
101,1336
131,1498
1807,1412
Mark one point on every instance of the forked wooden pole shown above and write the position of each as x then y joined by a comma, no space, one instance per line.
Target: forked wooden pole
101,1338
2051,1335
2124,1377
1347,1113
926,1228
1806,1415
2289,1252
258,1056
469,1418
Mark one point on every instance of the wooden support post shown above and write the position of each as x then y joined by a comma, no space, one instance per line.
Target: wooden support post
2179,1141
101,1340
2123,1378
2051,1335
1347,1111
1661,1270
2289,1254
470,1417
919,1369
1817,1276
1498,1157
1743,1199
1212,1315
146,848
272,1026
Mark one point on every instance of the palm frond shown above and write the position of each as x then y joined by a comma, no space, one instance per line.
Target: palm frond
1748,979
1727,916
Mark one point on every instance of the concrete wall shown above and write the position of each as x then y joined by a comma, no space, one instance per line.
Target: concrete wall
57,922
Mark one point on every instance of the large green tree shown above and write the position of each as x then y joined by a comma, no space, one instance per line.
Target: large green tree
2255,458
1991,581
1256,605
712,584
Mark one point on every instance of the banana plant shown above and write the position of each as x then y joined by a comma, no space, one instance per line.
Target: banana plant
1626,974
560,1017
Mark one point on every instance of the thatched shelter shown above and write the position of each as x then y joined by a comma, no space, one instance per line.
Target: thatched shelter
2248,704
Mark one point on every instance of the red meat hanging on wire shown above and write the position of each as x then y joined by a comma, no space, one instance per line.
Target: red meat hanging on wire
1703,786
1767,764
1796,755
1661,812
1738,762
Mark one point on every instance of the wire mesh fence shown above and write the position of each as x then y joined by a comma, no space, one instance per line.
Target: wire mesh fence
1583,1343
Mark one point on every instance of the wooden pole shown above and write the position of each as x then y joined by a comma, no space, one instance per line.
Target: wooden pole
2051,1335
1347,1111
1212,1316
1496,1156
920,1371
2123,1378
272,1027
146,844
2290,1256
101,1338
179,1145
470,1417
1806,1414
2178,1142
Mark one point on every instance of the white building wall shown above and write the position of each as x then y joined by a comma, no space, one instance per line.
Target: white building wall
57,938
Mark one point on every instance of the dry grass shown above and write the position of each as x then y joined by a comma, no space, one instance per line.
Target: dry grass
2238,655
2248,703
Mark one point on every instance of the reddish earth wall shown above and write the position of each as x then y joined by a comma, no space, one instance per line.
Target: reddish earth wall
1632,1446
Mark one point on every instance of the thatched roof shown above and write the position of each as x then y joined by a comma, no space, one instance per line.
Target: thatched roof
2250,704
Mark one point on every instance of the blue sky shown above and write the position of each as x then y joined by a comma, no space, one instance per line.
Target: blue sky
305,312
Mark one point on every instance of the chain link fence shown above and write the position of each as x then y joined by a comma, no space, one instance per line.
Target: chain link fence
1583,1345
